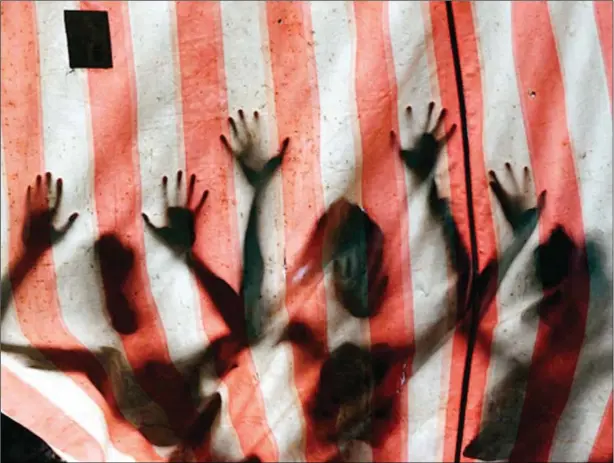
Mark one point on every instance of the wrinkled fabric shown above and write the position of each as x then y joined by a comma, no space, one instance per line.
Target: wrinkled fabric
334,77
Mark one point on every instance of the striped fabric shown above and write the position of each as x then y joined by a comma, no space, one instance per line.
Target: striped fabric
335,77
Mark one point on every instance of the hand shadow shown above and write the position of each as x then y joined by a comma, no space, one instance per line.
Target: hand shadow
556,261
38,233
246,148
179,234
520,215
422,157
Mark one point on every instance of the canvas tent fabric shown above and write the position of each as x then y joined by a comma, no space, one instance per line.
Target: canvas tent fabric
335,77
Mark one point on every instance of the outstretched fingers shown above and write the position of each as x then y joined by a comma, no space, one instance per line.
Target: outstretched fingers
191,186
284,147
409,114
147,220
56,234
510,209
155,230
233,127
201,203
59,186
165,191
440,118
273,164
270,167
243,120
541,201
497,188
429,114
448,135
40,196
178,187
47,192
35,195
527,180
512,177
394,141
29,199
226,144
163,234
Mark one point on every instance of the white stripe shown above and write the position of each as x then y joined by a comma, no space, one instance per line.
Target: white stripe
243,53
413,59
504,140
340,146
340,153
590,127
224,440
11,332
159,144
112,455
56,387
67,154
162,152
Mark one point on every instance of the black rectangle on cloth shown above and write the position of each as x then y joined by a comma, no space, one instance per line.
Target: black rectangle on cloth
89,39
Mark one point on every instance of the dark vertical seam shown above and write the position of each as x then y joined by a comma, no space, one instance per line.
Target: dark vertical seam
472,230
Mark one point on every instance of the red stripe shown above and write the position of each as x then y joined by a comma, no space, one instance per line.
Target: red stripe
31,409
297,108
458,204
485,232
602,449
205,112
603,16
542,98
118,207
384,195
37,304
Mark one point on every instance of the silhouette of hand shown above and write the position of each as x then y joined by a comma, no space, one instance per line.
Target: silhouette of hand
179,234
38,233
421,158
246,147
516,204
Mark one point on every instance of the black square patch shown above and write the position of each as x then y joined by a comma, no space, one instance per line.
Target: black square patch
89,39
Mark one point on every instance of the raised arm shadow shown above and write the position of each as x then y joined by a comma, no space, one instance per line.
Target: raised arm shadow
38,234
246,148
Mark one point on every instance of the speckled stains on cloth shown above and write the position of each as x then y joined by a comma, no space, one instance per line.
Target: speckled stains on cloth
128,331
